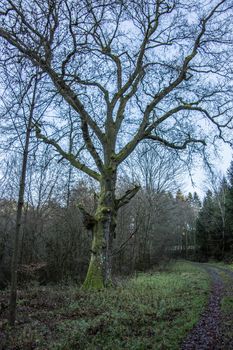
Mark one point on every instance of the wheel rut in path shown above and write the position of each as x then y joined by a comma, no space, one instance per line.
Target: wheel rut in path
210,332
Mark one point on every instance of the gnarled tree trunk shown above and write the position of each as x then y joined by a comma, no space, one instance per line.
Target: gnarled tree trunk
104,223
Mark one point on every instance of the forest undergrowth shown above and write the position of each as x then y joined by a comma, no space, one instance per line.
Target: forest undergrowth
153,310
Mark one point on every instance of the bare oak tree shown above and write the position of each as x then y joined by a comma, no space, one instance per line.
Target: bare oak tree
130,70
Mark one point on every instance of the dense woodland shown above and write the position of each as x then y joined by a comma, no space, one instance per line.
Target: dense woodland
214,225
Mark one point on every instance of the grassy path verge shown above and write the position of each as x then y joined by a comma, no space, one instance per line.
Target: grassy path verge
150,311
214,330
226,273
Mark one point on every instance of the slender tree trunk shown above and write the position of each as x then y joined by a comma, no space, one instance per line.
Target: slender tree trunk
14,263
223,239
20,203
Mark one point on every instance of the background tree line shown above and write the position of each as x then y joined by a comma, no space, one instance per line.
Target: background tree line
215,219
54,243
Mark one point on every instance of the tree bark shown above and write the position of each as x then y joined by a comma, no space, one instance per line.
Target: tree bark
99,272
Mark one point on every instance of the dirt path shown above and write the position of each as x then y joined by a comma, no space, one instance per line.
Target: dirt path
214,329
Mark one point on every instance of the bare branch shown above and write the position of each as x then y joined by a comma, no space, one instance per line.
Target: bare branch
69,156
126,198
173,144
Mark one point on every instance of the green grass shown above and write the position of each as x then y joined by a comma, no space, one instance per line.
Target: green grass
151,311
227,304
227,309
221,264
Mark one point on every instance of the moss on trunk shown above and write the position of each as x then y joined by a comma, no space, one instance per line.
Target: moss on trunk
99,271
94,278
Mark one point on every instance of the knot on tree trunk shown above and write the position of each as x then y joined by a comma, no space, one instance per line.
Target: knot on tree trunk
88,220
